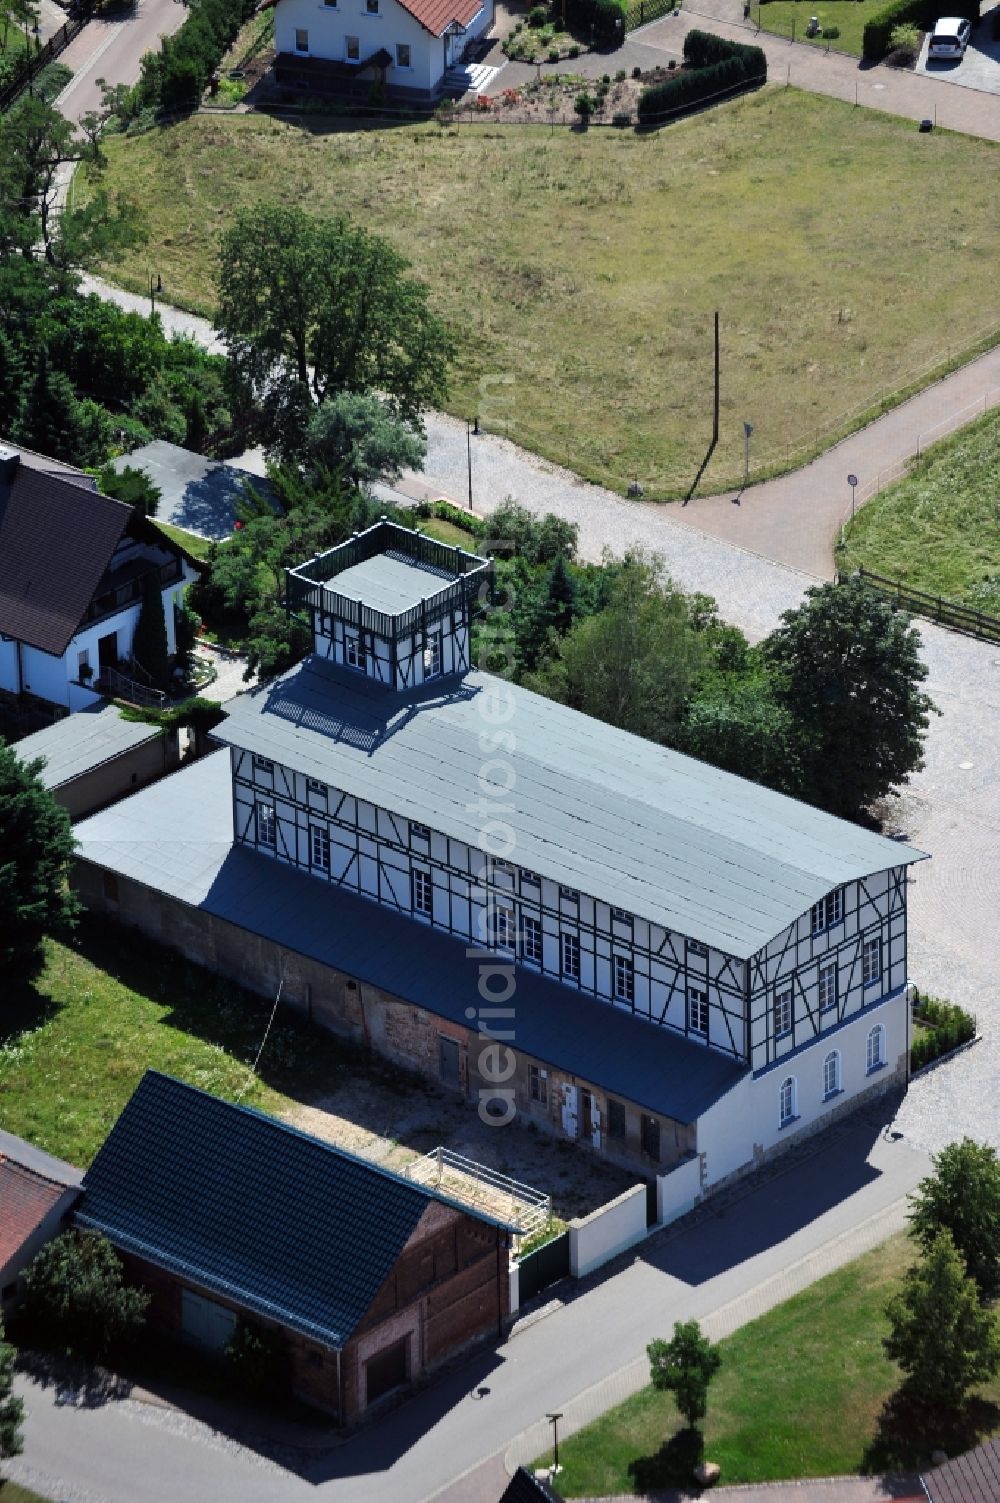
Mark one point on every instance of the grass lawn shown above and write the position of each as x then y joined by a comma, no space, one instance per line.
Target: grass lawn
195,545
73,1048
10,1492
939,529
799,1395
447,532
580,272
850,16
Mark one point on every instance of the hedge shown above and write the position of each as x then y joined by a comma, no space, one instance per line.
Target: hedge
922,13
176,77
714,67
947,1025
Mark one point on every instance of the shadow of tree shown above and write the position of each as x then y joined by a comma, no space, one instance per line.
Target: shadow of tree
672,1466
76,1383
24,1010
910,1428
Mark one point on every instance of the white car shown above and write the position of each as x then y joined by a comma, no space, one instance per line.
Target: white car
949,38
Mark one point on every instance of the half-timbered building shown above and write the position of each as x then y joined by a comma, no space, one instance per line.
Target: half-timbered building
673,959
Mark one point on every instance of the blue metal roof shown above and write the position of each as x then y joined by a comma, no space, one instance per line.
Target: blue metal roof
673,840
176,837
245,1206
82,741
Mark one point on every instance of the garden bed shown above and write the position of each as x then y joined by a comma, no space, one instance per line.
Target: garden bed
554,99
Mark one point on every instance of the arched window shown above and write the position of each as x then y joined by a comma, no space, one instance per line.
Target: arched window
876,1048
786,1101
831,1073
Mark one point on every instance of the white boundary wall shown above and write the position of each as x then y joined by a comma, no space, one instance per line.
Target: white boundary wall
677,1191
607,1231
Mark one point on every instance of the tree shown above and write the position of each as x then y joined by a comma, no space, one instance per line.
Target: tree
149,644
326,307
554,611
684,1366
962,1197
737,724
49,419
637,662
940,1335
75,1294
11,1407
36,848
359,435
131,485
849,672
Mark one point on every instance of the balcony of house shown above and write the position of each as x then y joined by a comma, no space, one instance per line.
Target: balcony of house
122,585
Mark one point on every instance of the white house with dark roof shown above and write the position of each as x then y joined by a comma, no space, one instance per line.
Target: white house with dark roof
683,963
72,565
406,46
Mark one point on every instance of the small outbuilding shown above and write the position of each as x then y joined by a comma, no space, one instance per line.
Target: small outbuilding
362,1280
97,756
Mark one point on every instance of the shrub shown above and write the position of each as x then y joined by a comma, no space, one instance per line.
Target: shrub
672,64
537,16
606,80
905,35
620,76
637,72
475,526
602,19
257,1358
584,106
831,32
553,54
75,1293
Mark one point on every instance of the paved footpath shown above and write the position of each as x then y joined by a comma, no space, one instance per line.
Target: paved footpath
733,1261
110,47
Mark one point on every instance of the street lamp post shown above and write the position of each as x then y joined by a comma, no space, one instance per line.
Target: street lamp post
747,431
469,430
155,290
555,1418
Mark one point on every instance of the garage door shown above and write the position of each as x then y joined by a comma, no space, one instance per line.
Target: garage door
386,1370
205,1322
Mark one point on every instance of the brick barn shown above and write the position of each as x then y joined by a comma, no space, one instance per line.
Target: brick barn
228,1217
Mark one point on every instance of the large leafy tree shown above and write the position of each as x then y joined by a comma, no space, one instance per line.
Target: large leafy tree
942,1338
636,663
962,1197
849,671
11,1407
359,435
685,1366
36,847
310,307
36,143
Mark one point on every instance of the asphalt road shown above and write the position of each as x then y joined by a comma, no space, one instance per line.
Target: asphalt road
111,48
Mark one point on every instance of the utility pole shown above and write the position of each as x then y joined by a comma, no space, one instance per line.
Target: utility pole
715,416
554,1421
468,447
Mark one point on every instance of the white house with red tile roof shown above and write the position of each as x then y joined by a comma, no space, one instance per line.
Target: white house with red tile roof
406,45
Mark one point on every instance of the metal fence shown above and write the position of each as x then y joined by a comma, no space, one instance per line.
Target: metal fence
46,54
527,1209
950,613
119,686
641,11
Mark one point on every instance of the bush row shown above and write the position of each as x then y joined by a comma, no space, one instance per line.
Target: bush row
714,66
922,13
176,77
947,1026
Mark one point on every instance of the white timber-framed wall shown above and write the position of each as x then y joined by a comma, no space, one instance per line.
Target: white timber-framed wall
584,942
436,644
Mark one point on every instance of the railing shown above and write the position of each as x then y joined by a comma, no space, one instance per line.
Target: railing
949,613
37,61
528,1210
119,686
889,476
641,11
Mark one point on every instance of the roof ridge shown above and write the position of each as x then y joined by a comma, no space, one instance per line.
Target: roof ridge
46,1179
